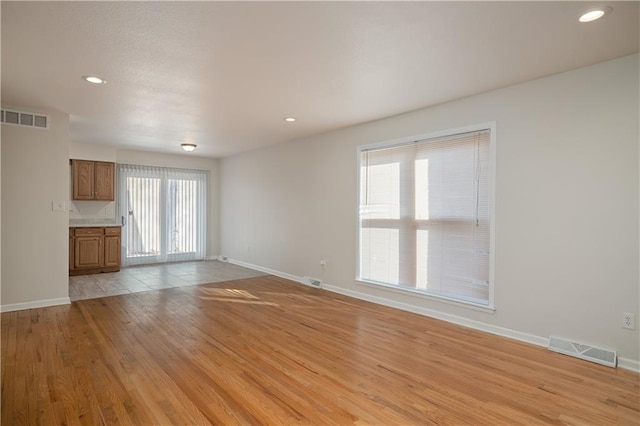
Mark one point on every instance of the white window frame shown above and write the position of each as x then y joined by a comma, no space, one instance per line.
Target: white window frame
491,126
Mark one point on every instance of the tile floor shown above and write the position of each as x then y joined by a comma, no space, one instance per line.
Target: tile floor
154,277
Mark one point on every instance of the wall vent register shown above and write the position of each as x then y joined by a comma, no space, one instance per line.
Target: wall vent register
603,356
22,118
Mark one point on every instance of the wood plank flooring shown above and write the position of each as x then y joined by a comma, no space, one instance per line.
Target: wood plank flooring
267,351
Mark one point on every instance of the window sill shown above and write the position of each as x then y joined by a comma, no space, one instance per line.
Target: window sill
426,296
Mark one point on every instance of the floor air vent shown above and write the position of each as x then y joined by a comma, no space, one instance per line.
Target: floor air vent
313,282
598,355
21,118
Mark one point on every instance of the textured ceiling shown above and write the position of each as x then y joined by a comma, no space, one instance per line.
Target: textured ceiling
223,75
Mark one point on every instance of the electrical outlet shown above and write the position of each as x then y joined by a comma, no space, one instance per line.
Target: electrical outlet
58,206
323,262
628,320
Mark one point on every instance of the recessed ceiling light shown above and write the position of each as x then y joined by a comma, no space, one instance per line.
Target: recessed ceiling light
188,146
290,119
94,79
595,13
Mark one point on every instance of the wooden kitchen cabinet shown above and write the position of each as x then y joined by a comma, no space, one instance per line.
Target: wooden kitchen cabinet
94,250
71,250
112,248
105,181
83,179
88,252
93,180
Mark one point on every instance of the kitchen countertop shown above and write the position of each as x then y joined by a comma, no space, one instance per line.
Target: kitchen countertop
89,223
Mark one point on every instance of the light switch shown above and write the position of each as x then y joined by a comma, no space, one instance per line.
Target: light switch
58,206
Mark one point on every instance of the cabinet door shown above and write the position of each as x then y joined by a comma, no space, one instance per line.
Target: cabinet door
88,252
70,249
105,181
112,251
83,179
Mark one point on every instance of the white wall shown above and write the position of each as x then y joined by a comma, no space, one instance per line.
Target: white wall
0,221
567,185
94,209
34,237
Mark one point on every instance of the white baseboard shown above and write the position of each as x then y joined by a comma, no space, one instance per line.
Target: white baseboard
455,319
35,304
263,269
629,364
625,363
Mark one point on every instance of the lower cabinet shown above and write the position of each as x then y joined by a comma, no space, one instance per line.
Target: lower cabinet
94,250
112,248
71,251
88,252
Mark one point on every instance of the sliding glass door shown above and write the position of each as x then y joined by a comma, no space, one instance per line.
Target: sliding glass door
164,213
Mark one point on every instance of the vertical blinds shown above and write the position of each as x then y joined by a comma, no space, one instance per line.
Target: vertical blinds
424,216
165,214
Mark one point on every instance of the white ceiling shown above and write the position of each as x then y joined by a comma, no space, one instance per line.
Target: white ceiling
223,75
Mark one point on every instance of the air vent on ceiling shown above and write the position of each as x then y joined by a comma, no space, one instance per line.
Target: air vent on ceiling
22,118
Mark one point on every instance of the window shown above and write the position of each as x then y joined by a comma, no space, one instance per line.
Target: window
164,211
425,216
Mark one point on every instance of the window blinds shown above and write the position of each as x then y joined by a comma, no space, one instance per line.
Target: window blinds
424,216
165,214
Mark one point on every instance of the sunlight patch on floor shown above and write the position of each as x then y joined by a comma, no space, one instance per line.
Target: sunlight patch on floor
232,295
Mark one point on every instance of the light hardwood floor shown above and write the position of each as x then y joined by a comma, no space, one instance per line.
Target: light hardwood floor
264,350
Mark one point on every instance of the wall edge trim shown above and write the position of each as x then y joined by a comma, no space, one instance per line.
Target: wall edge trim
263,269
35,304
629,364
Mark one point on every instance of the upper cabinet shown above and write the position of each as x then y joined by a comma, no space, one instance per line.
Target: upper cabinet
93,180
83,179
105,181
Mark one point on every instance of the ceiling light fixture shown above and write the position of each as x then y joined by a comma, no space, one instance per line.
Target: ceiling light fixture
289,119
94,79
595,13
188,146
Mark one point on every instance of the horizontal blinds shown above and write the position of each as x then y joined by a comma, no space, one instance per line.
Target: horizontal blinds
424,215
